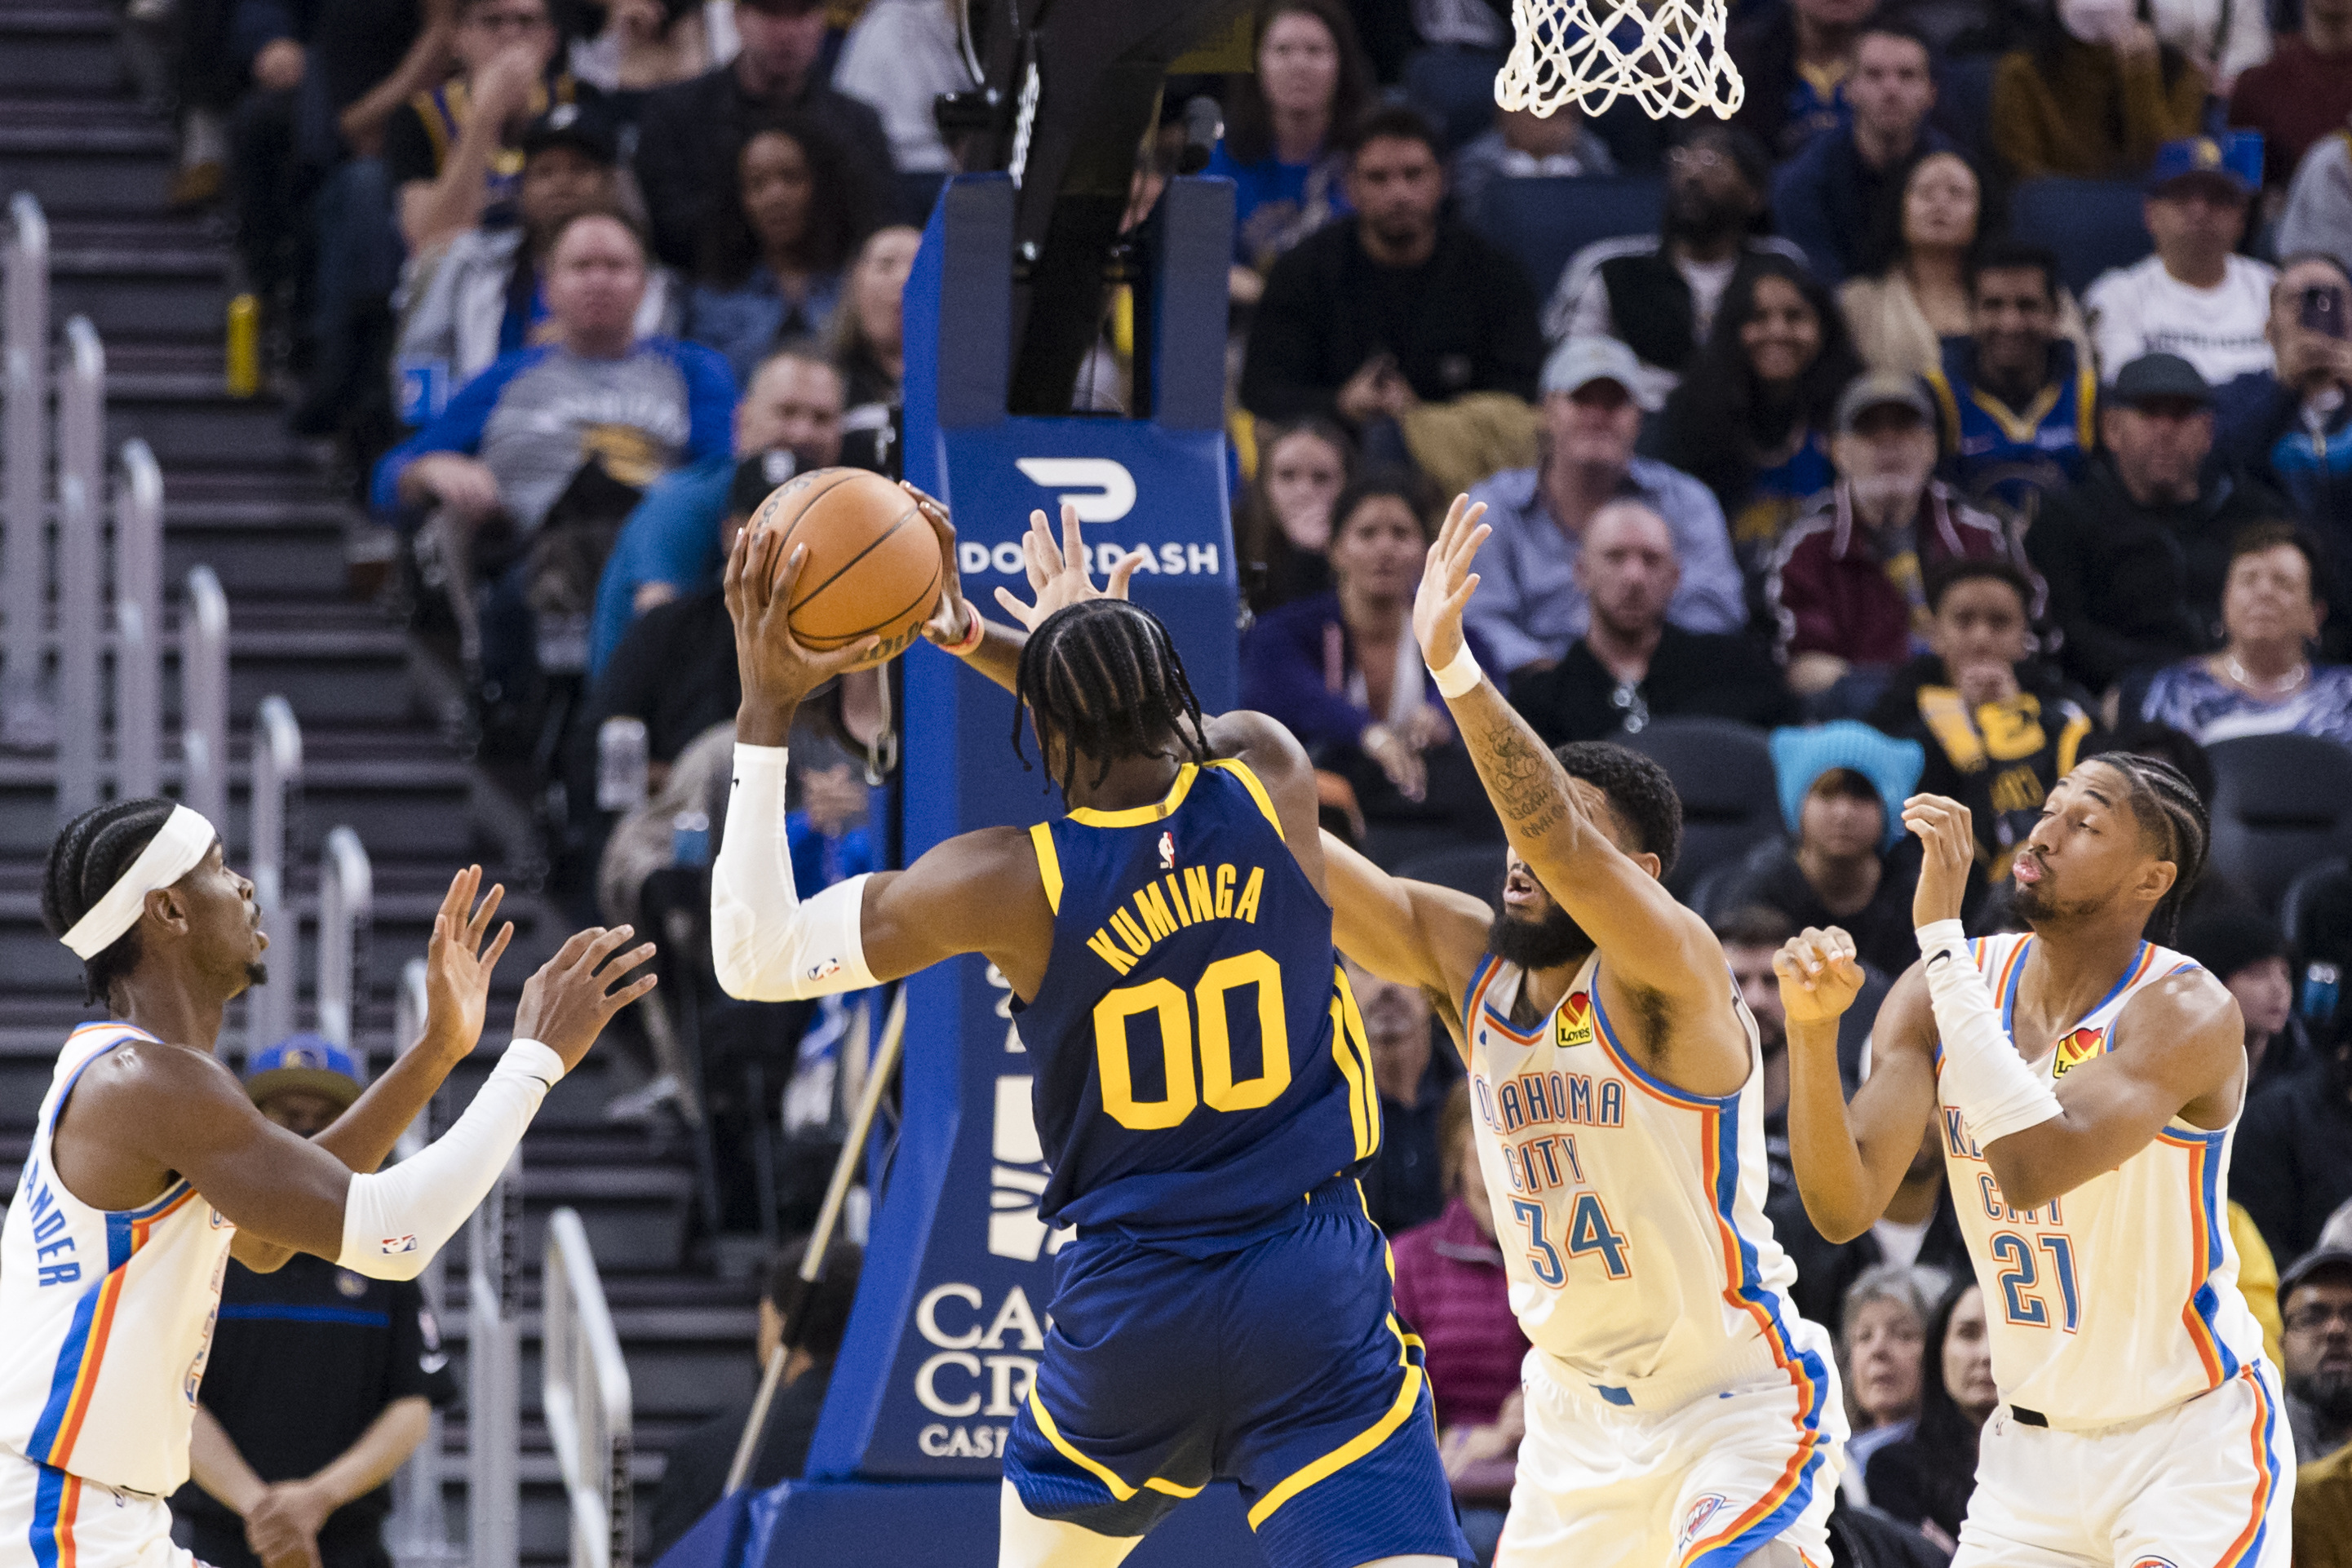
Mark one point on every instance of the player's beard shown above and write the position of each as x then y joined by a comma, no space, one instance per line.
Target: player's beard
255,973
2329,1394
1554,942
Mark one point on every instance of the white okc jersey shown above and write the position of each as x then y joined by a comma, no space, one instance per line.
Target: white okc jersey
2121,1298
107,1314
1631,1214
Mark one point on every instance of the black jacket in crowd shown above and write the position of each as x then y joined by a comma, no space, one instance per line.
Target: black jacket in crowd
2133,585
1462,322
2294,1158
1711,675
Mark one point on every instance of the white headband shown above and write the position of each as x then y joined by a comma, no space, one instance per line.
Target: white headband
183,840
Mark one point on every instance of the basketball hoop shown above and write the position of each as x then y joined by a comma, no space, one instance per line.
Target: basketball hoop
1668,56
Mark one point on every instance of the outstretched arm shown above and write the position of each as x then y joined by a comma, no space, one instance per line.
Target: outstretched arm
1059,574
1851,1158
1427,937
1652,943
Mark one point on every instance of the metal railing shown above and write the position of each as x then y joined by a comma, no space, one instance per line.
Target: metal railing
417,1531
25,718
276,785
203,696
494,1373
81,479
346,908
138,623
585,1389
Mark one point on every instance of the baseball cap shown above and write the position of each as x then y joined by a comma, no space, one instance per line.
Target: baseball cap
755,477
2158,375
303,1061
2233,159
1579,362
1881,389
576,125
2317,1261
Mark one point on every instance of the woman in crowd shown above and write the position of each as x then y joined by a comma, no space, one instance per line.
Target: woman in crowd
2264,681
1450,1286
1883,1340
1312,81
2094,96
1752,419
770,267
649,44
867,340
1286,525
1341,668
1924,1480
1914,293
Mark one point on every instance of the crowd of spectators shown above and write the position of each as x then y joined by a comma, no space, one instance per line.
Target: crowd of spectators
1842,454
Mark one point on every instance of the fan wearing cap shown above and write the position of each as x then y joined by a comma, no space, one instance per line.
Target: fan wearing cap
2315,1304
2136,553
150,1167
1532,606
321,1380
482,295
2195,297
1847,588
452,152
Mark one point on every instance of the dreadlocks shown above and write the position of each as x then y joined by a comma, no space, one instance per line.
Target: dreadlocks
1103,675
89,857
2172,819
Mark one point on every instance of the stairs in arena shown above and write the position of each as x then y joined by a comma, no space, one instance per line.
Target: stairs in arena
376,704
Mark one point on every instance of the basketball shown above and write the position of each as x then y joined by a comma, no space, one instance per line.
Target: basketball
873,564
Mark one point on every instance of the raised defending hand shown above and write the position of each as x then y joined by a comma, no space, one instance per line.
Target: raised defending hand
568,1003
1447,582
950,623
457,966
777,671
1818,975
1061,574
1951,848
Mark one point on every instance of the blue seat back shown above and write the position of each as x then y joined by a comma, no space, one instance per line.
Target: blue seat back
1544,221
2093,224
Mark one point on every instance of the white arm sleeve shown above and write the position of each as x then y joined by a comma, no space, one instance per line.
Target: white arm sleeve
1983,1074
766,945
395,1220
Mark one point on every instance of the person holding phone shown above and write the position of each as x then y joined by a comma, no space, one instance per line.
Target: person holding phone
2295,423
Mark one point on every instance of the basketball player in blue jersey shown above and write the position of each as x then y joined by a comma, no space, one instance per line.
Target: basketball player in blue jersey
2084,1084
1678,1409
1203,1091
149,1167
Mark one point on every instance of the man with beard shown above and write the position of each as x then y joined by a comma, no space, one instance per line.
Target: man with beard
1679,1407
1400,306
2315,1306
1657,294
2085,1085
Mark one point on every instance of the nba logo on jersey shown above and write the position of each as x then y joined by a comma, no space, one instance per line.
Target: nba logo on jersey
1168,851
2073,1051
393,1245
2153,1562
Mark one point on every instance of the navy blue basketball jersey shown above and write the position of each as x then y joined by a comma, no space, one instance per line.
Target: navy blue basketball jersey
1199,1062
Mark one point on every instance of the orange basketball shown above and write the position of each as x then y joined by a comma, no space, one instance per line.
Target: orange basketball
873,562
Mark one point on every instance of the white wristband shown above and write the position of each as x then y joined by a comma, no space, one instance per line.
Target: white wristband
1461,673
1982,1077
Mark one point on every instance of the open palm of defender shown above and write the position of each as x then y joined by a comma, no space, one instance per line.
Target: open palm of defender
1447,582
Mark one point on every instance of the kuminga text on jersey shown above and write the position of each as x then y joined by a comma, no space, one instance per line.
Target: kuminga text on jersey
1205,893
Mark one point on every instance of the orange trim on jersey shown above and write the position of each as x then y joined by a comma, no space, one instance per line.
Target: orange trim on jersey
1496,1020
109,1297
2008,967
2200,1334
2242,1548
1809,1395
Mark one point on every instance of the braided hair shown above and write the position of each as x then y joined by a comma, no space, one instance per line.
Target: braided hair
89,857
1103,675
2173,820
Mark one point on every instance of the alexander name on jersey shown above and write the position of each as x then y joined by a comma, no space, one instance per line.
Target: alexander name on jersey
1523,1109
1193,894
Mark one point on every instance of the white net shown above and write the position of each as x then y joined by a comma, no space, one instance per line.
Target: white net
1668,56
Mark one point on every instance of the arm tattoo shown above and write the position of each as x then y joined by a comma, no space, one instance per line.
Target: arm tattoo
1527,785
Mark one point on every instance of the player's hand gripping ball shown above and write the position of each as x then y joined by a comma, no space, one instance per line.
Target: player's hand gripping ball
873,566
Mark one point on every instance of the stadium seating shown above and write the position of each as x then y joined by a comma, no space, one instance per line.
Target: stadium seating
2280,803
1722,771
1543,222
2093,224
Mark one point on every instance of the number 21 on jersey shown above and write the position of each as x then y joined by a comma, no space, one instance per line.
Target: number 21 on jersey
1590,1234
2020,1272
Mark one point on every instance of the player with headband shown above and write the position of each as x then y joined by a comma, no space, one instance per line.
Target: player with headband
151,1167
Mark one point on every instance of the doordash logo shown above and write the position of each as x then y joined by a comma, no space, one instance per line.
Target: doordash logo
1097,488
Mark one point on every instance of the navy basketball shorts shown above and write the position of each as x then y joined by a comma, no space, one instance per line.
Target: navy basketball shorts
1279,1364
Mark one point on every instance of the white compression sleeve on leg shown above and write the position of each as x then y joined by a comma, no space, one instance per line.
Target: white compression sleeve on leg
1982,1075
395,1220
766,945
